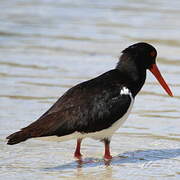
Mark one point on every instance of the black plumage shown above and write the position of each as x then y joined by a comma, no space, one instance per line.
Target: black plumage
91,106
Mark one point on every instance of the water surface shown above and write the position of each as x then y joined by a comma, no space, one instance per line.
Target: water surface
47,46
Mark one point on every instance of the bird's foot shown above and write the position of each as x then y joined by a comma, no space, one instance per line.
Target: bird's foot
78,155
107,157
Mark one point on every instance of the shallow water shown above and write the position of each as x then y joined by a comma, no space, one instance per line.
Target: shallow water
47,46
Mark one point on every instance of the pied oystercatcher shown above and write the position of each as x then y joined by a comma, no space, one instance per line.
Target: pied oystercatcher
98,107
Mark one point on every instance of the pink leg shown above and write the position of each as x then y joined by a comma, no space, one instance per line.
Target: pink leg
77,153
107,154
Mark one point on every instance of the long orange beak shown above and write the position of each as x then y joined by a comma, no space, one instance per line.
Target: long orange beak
154,69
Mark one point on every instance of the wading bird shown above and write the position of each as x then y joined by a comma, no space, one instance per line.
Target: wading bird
98,107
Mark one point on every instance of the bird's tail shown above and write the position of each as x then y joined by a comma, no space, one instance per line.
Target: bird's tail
18,137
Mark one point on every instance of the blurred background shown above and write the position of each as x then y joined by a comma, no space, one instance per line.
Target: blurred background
48,46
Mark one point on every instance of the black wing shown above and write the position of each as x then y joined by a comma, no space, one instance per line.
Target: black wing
88,107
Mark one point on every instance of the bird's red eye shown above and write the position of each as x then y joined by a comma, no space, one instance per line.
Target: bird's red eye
152,53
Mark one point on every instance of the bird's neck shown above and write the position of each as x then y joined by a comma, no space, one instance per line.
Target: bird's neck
136,75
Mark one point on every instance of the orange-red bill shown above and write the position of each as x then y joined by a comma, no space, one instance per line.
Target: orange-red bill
154,69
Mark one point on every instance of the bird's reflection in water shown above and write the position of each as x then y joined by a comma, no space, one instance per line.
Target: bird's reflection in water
105,173
81,162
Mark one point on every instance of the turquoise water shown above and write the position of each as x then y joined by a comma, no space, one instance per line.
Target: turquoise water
47,46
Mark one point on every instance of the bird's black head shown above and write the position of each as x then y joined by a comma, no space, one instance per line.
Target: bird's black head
142,53
136,59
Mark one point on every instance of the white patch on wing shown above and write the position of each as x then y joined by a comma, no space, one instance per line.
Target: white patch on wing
125,91
106,133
